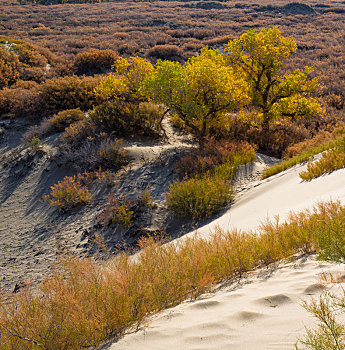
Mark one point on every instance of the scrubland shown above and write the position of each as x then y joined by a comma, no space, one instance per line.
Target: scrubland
91,80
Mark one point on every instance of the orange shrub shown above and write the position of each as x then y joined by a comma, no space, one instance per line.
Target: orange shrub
68,193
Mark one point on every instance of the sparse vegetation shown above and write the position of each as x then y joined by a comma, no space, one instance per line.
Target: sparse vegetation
305,150
68,193
330,160
209,190
85,302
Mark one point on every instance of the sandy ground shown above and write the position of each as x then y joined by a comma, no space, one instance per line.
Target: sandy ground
261,312
264,310
278,196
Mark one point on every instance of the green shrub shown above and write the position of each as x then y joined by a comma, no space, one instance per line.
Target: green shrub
198,198
209,190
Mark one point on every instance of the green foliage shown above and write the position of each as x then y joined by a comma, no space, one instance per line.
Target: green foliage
124,83
331,160
35,143
198,198
330,331
68,193
200,91
261,58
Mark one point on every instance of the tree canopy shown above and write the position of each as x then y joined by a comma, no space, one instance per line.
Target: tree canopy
261,58
200,91
125,82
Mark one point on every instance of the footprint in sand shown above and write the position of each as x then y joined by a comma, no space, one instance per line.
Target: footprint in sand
205,304
274,300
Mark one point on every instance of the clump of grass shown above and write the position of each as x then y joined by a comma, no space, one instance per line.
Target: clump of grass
206,188
198,198
331,160
303,151
68,193
84,302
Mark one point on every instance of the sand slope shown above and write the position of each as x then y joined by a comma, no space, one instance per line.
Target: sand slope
279,195
263,311
260,312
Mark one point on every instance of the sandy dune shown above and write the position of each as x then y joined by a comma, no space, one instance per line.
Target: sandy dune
279,195
264,310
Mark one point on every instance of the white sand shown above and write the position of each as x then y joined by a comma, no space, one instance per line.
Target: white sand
279,195
264,311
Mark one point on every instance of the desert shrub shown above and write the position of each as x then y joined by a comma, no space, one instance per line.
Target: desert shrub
68,193
94,62
111,153
59,94
85,302
273,142
40,101
124,118
209,191
322,137
78,132
329,332
20,102
59,122
165,52
9,68
213,154
330,160
199,197
117,212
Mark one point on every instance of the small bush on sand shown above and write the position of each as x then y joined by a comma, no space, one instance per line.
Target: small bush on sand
112,153
68,193
125,118
209,190
59,122
198,198
84,302
331,160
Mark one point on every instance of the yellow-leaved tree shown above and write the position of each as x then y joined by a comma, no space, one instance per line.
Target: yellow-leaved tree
125,82
261,58
200,91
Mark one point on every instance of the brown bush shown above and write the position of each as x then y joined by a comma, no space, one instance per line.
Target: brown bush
124,118
9,68
165,52
94,62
